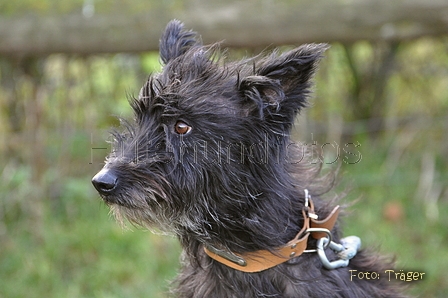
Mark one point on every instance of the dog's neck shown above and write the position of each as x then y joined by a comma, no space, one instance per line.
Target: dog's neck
222,247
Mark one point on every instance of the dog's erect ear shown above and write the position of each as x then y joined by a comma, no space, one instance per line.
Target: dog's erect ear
281,84
175,41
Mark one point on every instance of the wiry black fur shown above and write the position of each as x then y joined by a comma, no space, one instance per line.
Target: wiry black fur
232,181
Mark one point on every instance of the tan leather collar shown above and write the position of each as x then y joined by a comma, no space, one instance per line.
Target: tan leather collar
264,259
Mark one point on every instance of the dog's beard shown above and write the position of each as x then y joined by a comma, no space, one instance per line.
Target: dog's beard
152,210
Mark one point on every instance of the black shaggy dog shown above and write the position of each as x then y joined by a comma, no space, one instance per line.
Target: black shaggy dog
209,159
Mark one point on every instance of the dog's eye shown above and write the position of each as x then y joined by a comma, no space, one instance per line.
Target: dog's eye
182,128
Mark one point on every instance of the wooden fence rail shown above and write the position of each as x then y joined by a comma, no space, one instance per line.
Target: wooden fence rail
249,24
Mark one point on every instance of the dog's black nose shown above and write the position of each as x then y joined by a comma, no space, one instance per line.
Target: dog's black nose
105,181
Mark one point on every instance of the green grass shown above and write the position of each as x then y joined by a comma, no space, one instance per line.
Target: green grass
416,240
79,251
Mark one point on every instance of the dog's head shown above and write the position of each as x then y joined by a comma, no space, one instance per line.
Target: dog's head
208,144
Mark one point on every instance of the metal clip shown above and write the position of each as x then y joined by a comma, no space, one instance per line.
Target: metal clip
345,251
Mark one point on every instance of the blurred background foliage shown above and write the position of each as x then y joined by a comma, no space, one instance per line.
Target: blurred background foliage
390,99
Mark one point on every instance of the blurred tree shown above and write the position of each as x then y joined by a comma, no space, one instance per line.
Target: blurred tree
367,98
